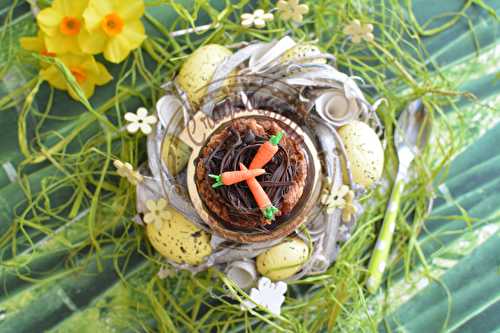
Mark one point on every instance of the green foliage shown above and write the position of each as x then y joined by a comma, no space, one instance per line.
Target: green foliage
72,260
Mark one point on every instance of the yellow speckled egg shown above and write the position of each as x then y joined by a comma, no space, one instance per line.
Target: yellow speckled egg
196,73
364,152
175,154
179,240
283,260
300,51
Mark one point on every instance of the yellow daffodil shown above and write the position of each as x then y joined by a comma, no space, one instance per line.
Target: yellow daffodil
36,44
62,23
113,27
87,72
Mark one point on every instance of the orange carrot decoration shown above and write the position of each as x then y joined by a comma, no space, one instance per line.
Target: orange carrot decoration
266,151
233,177
260,196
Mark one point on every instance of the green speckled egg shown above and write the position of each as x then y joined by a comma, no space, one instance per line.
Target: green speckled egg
175,154
196,73
179,240
300,51
364,152
283,260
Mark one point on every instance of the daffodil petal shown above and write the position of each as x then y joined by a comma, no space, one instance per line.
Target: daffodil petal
87,87
117,50
120,46
73,93
70,7
48,20
88,63
103,75
95,12
54,77
134,32
130,9
62,44
35,44
92,42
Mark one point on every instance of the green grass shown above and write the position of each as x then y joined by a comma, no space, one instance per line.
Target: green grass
77,142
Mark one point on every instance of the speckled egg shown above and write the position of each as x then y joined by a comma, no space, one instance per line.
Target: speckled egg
175,154
300,51
364,152
179,240
283,260
196,73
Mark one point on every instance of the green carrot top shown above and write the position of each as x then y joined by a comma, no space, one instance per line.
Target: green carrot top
269,212
275,139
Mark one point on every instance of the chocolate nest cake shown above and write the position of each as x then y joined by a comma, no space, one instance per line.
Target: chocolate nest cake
283,181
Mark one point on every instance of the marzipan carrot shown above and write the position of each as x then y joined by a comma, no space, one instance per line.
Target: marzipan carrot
260,196
233,177
266,151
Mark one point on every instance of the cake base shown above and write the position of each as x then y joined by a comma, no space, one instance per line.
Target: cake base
197,132
238,142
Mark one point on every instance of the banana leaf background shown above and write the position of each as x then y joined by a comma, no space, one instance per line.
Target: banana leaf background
72,260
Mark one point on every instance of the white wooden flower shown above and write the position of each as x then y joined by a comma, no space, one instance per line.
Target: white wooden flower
257,19
359,31
292,9
140,120
164,272
349,208
268,295
125,169
334,198
158,213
